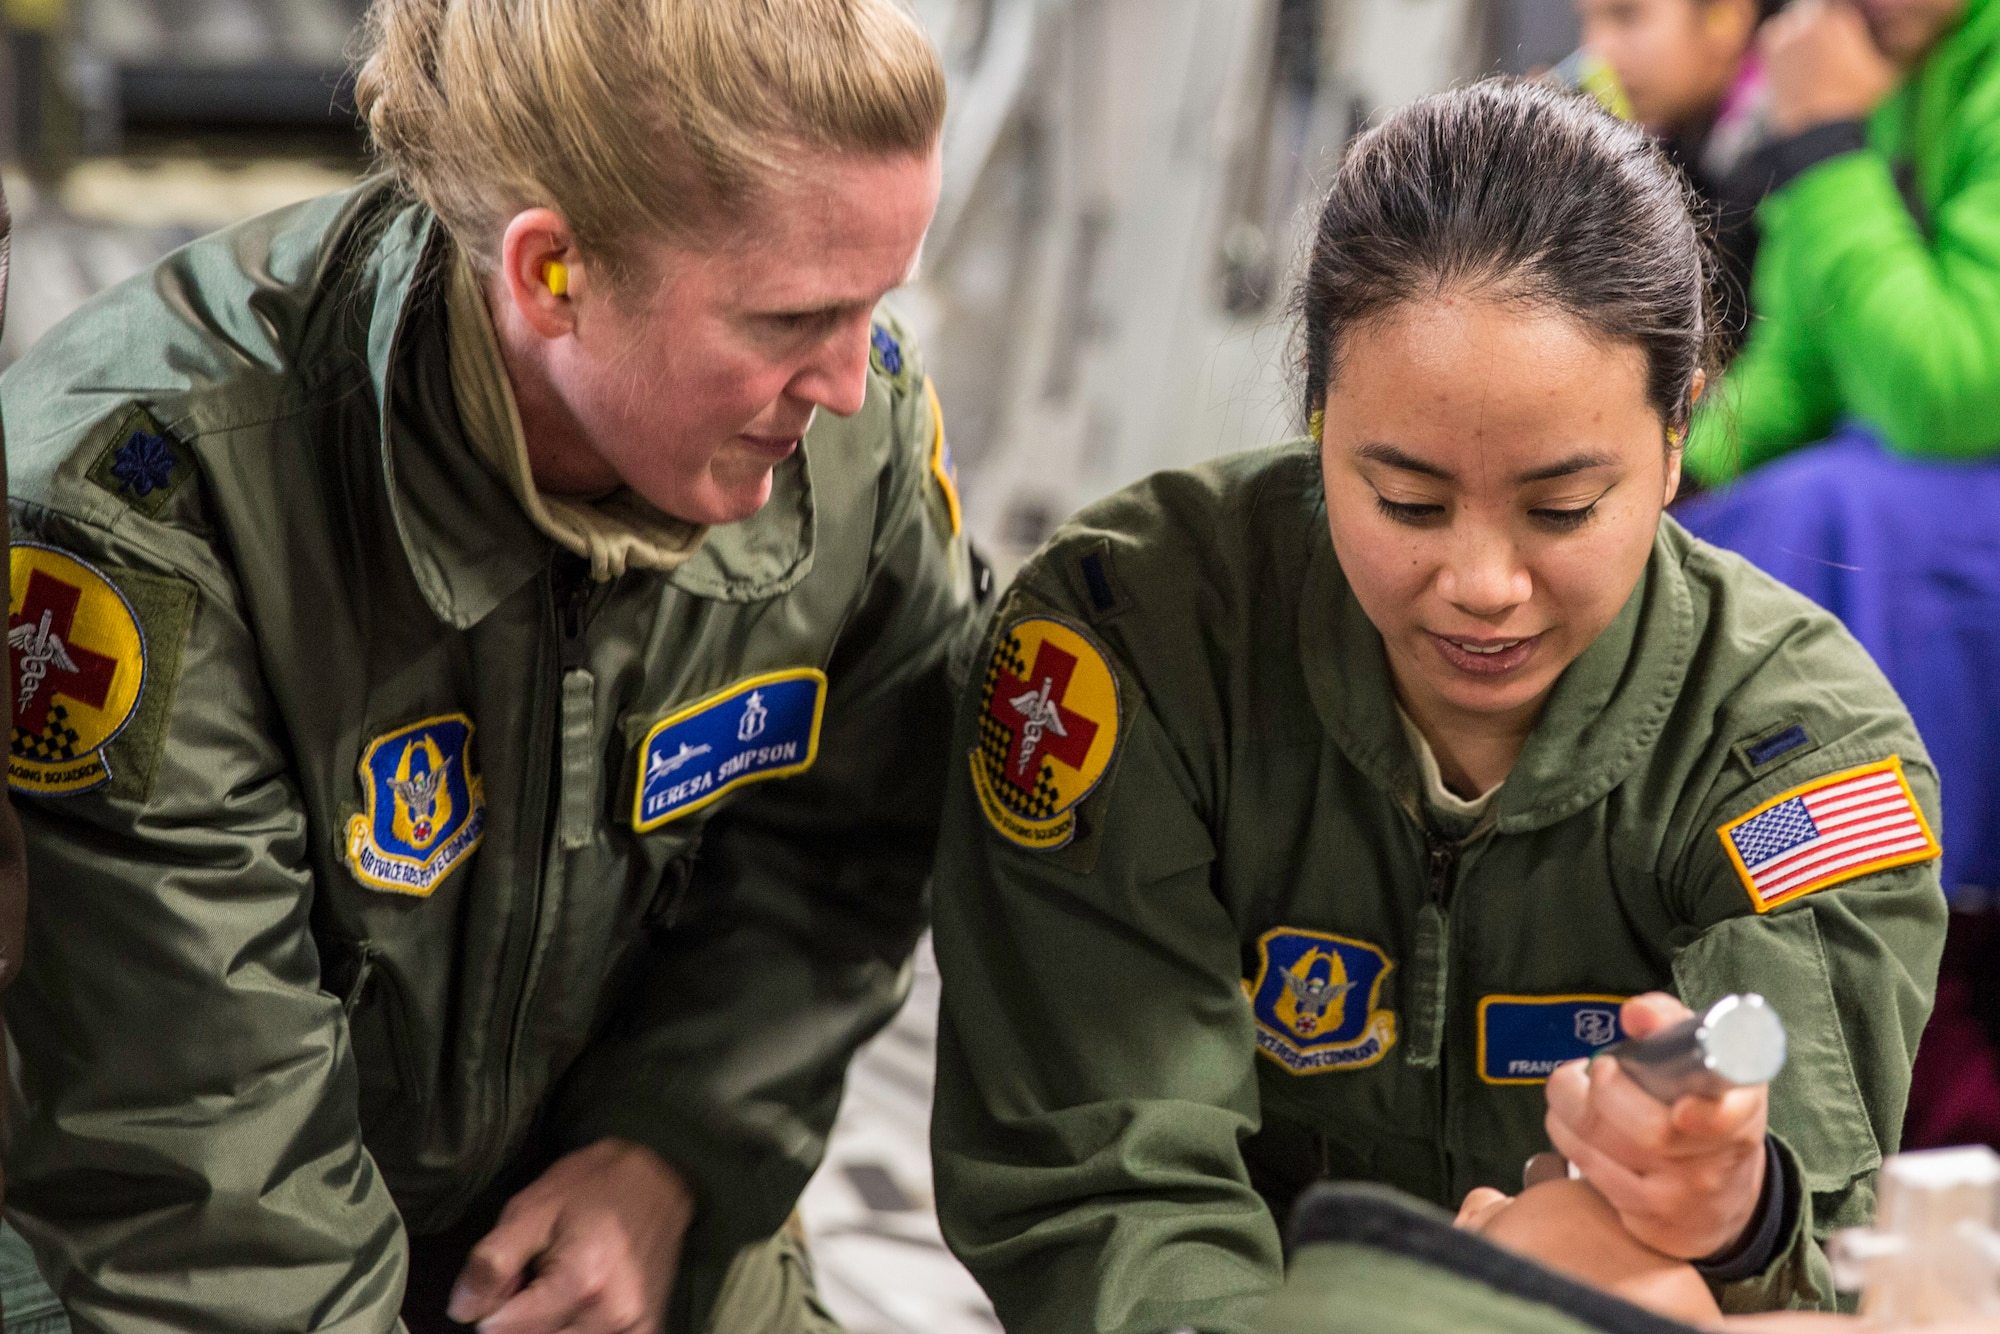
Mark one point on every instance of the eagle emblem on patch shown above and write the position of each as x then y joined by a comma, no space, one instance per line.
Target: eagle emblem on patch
426,807
79,660
1830,830
1316,1001
1048,730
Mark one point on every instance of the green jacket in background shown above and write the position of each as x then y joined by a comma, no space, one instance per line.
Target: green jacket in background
1865,311
385,856
1126,1107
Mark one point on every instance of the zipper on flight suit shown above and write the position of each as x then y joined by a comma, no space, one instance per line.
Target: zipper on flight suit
1430,964
576,818
570,591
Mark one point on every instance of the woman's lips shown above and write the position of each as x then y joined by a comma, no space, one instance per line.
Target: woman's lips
775,450
1485,657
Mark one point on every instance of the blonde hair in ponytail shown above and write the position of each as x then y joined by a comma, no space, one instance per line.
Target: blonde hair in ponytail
633,118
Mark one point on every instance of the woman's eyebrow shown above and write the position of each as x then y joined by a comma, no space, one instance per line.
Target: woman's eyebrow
1390,456
1575,463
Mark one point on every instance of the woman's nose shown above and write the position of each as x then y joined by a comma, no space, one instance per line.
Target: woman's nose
1484,577
837,377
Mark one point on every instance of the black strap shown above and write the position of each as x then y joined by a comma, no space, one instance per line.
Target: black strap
1381,1219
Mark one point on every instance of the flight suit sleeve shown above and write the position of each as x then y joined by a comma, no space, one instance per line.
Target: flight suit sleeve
793,942
1095,1050
190,1156
1850,966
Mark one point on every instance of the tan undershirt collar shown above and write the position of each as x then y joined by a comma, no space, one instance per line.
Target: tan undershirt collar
1435,792
616,532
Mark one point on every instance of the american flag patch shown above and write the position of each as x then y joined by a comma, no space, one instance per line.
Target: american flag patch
1829,830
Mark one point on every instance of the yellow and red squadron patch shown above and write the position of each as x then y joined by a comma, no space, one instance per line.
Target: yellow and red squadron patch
1048,729
79,660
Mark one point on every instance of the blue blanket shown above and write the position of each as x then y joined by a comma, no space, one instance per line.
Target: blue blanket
1908,556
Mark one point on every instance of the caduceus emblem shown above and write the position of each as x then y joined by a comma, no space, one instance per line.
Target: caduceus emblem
40,647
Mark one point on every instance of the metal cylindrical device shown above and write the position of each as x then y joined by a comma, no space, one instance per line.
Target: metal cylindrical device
1737,1041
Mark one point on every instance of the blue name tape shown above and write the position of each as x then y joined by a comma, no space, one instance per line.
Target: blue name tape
1522,1039
762,728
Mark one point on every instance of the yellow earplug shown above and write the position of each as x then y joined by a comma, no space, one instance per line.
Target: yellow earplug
556,274
1318,426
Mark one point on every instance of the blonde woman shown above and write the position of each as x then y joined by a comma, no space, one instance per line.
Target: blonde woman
406,587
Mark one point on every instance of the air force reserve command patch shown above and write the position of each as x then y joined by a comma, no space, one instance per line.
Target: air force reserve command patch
1827,831
765,727
1048,729
426,807
1315,1001
79,660
1522,1039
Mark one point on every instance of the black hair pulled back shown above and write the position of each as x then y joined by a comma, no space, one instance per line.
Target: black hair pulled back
1517,191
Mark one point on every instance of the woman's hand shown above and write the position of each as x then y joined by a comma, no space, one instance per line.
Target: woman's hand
1568,1226
1823,65
1685,1179
601,1231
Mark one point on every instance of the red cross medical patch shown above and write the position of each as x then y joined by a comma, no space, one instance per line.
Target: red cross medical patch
79,660
1048,728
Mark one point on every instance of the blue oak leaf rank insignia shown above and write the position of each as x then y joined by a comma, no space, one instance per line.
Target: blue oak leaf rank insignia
887,350
426,807
144,464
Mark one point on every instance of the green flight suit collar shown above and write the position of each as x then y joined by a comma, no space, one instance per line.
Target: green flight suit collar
1605,713
469,543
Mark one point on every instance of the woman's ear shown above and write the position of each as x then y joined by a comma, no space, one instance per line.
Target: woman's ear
541,272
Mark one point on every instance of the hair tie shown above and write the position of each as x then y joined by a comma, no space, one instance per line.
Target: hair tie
1317,425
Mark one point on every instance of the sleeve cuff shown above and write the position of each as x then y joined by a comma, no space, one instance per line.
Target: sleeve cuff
1784,160
1769,1231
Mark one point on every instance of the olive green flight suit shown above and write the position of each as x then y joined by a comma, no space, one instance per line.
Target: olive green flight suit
418,859
1250,957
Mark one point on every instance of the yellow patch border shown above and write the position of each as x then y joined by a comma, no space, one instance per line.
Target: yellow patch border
1387,1018
362,826
945,481
93,768
1894,764
720,697
1565,999
1055,832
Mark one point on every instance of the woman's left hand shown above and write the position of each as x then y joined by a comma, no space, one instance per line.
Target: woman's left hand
1684,1179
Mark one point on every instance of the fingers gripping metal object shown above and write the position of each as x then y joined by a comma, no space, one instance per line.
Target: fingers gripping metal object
1737,1042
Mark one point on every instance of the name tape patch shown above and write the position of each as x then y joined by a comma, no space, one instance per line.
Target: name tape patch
1830,830
1522,1039
1048,729
426,807
1316,1001
765,727
79,660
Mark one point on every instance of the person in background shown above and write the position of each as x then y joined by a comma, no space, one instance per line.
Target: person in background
486,722
1688,71
1877,282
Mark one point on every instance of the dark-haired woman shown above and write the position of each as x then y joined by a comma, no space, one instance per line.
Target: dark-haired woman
1320,807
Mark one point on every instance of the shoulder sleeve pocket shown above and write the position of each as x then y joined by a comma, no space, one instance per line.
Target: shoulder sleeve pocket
1816,1102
